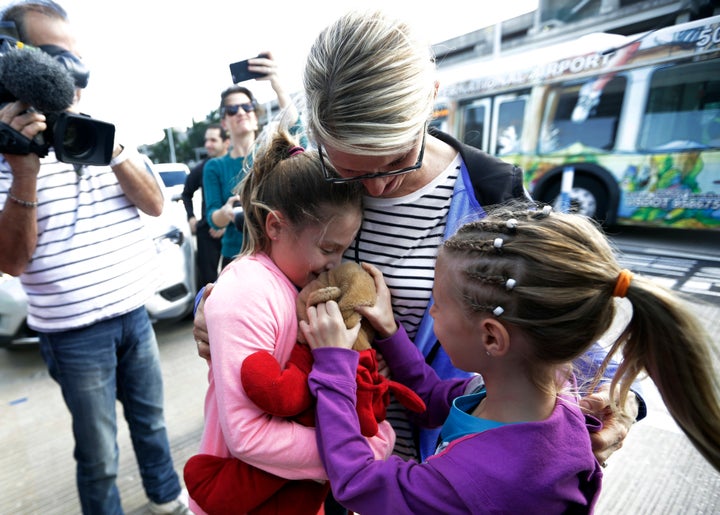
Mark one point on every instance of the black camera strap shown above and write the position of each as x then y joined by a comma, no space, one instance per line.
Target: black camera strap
13,142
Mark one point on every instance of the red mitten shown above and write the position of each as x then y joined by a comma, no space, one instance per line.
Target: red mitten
283,393
367,393
374,392
227,485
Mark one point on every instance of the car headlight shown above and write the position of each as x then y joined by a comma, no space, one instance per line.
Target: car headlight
172,238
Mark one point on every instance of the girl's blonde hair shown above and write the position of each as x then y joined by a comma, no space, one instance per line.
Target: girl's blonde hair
554,275
369,85
287,178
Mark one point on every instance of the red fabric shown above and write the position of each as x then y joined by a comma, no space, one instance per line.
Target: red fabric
285,393
228,485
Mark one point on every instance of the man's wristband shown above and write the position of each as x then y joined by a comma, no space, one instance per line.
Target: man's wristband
123,156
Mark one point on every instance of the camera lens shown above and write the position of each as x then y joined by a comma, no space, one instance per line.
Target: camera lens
79,138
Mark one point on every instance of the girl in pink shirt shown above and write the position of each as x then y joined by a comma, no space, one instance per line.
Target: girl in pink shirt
297,225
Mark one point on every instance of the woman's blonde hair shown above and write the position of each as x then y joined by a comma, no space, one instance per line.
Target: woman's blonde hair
369,85
554,276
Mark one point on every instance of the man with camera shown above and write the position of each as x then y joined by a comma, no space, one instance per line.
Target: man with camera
71,230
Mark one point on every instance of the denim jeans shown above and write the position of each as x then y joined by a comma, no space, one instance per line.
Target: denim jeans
113,359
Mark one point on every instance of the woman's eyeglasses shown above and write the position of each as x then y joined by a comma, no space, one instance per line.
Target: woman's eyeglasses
232,110
332,176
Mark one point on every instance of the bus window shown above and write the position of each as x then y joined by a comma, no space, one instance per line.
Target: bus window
596,128
683,108
510,113
475,122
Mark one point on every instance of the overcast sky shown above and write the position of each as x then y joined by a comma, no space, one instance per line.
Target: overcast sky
163,63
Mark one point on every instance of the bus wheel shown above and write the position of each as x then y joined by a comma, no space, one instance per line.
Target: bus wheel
587,197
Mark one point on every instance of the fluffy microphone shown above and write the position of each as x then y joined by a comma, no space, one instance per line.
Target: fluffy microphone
34,77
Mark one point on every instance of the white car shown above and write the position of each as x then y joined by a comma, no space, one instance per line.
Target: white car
172,300
173,176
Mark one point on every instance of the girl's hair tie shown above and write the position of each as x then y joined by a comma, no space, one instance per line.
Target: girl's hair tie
622,282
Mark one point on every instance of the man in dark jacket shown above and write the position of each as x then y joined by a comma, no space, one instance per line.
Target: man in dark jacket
208,239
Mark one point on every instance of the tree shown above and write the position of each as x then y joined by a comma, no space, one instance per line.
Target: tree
186,142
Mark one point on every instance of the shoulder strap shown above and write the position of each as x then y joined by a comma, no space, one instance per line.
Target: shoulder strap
494,181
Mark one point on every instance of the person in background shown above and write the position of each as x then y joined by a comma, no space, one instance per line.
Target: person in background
209,248
239,116
74,235
518,295
297,225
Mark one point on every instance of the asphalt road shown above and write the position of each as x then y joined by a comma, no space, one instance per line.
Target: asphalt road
686,261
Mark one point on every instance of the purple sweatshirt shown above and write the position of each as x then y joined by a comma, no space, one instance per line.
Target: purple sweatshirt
534,467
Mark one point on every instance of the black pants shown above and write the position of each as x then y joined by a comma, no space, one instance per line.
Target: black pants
208,255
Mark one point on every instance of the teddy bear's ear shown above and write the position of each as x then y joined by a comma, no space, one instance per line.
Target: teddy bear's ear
323,295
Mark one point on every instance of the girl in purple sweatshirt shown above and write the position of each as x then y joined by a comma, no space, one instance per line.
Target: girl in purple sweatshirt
518,296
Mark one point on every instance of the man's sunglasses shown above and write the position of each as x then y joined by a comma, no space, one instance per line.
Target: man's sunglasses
232,110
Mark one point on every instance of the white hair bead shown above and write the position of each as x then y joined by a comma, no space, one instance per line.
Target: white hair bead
498,311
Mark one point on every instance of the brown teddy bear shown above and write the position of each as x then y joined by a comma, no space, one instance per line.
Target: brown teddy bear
228,485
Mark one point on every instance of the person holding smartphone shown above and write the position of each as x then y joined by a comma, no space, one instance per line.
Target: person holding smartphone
239,115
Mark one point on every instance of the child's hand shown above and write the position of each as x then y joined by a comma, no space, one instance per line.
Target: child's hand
325,327
380,315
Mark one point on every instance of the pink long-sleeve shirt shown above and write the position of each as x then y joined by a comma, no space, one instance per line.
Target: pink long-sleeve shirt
252,308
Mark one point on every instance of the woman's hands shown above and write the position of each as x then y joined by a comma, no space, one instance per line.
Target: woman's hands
200,330
616,424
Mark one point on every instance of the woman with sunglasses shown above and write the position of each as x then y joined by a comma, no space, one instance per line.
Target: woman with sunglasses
370,85
239,116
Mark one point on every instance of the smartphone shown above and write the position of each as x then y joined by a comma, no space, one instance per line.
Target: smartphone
240,72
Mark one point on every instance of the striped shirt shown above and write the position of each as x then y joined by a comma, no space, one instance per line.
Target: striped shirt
93,259
401,236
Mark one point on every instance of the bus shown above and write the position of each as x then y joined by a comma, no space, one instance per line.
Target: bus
625,129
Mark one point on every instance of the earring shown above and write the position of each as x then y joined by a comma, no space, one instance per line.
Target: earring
487,352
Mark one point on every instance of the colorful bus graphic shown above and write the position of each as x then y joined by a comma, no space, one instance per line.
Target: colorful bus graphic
634,119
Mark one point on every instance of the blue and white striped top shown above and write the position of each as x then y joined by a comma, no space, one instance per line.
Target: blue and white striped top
94,258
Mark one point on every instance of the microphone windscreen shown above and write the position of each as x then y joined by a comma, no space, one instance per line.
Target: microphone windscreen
36,78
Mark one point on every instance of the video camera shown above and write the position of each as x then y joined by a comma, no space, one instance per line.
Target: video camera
45,79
